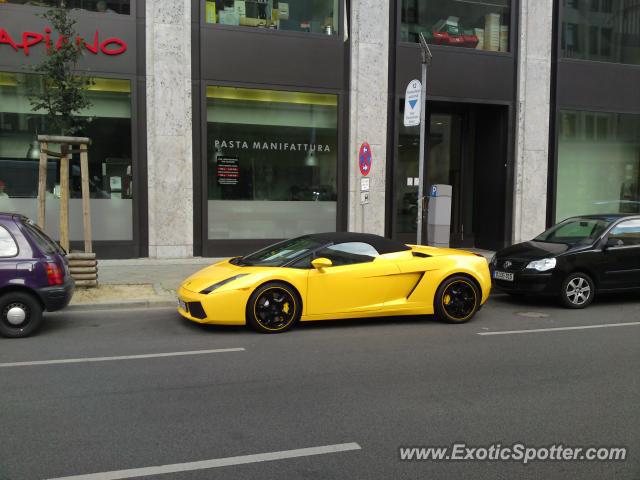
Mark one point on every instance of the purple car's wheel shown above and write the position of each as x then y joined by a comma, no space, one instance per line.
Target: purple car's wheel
20,314
273,308
457,300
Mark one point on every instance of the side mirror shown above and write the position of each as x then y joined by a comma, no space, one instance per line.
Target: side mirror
320,263
613,242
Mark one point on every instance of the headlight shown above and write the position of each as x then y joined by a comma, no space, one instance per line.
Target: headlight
494,260
223,282
543,265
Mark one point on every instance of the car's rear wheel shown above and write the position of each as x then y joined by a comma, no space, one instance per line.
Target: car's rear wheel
20,314
457,300
577,291
273,308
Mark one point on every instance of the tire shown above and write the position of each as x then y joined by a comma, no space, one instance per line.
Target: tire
13,305
273,308
457,300
578,291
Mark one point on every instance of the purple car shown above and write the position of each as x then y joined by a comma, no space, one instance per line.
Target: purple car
34,276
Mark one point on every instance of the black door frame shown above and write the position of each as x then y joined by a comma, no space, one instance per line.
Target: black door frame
331,57
496,84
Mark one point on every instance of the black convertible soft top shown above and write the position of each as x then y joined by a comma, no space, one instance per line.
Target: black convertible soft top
381,244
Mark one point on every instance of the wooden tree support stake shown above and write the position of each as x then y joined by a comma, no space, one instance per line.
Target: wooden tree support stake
86,276
42,184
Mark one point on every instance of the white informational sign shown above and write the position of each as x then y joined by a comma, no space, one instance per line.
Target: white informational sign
413,103
364,198
364,184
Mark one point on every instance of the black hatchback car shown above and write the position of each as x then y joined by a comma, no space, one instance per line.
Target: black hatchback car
573,259
34,276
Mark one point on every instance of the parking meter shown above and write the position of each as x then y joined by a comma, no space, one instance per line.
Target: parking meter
439,215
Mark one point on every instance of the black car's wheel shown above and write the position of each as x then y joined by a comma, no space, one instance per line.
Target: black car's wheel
20,314
457,300
273,308
577,291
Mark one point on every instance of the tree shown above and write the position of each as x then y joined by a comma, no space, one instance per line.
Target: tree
63,93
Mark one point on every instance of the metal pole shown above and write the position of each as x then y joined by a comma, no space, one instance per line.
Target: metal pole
421,156
426,60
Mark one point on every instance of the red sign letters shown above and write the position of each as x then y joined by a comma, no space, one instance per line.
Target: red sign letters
106,46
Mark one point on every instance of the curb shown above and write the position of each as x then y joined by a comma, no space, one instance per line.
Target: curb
125,304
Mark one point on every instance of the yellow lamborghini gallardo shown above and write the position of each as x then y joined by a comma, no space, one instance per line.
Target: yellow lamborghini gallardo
331,276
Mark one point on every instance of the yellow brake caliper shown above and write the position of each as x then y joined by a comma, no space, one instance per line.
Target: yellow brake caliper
447,299
285,308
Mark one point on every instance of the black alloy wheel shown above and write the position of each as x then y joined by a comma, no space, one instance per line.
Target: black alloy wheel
457,300
20,314
273,308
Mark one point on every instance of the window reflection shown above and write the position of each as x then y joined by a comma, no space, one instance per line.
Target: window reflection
601,30
315,16
457,23
272,162
598,164
101,6
110,164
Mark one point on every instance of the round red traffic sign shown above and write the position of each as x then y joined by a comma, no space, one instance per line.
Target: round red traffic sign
365,159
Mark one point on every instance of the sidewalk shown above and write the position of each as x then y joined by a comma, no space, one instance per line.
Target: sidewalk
140,282
146,282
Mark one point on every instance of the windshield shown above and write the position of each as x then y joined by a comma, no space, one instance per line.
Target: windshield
279,254
575,231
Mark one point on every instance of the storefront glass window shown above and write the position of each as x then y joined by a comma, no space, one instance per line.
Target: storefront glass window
102,6
598,164
458,23
272,161
601,30
110,168
316,16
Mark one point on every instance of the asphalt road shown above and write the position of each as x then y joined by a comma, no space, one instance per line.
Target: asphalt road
378,384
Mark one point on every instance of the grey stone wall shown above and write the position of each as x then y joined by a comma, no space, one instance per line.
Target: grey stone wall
534,96
368,109
169,128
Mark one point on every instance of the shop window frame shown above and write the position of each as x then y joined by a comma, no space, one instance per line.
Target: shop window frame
585,103
229,247
554,146
38,10
514,31
136,246
338,37
560,41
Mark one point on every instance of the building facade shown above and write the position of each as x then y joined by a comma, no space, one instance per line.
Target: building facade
220,126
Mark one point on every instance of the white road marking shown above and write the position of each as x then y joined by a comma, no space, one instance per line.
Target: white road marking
125,357
215,463
557,329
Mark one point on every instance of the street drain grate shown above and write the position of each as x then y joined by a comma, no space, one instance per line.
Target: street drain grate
533,314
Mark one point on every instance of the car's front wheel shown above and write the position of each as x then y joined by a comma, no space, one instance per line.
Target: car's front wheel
577,291
273,308
457,300
20,314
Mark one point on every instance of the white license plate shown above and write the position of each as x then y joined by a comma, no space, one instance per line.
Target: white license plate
503,276
182,305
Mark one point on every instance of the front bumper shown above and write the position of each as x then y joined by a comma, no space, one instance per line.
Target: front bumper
57,297
528,283
220,308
